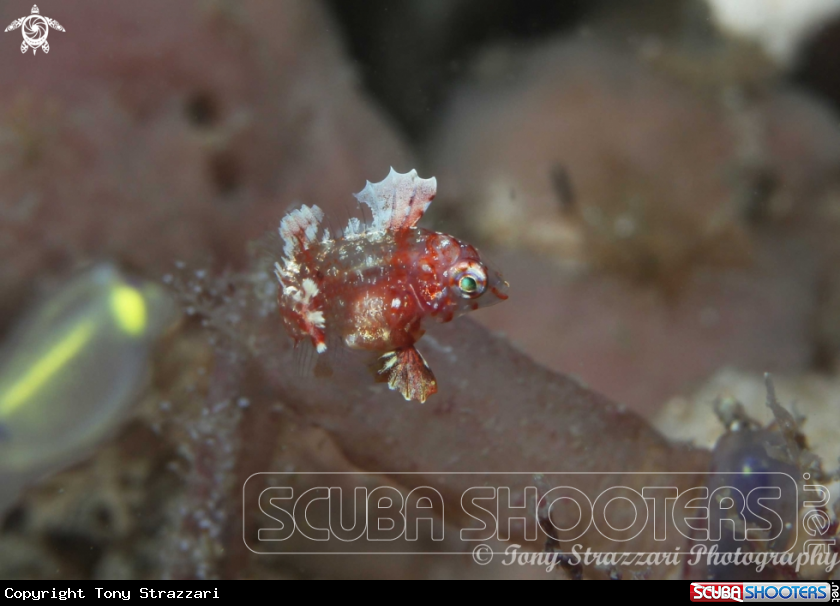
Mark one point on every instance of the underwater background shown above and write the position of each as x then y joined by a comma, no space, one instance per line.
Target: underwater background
659,181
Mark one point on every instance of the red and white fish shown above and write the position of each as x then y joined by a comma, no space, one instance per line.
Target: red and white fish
373,287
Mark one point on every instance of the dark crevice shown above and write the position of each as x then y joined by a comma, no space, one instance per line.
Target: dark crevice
817,64
409,53
202,110
225,172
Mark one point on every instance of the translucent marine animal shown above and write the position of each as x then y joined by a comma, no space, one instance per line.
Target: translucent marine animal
372,287
76,362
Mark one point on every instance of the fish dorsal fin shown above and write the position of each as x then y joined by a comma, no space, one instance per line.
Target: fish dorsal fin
299,229
398,201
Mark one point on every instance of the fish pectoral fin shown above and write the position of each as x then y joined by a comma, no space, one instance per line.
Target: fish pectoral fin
323,368
406,371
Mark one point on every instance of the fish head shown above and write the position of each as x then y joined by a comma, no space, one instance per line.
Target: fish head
469,281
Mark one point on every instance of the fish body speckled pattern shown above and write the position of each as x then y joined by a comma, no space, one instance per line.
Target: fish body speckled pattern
373,286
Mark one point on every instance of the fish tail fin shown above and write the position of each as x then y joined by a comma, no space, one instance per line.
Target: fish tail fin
405,370
301,306
300,301
299,229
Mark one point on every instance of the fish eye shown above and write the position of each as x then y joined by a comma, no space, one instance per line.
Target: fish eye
471,279
468,285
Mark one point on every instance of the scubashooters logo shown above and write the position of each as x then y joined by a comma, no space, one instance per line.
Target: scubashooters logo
764,592
35,29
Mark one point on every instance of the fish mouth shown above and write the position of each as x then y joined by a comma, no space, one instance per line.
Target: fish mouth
500,289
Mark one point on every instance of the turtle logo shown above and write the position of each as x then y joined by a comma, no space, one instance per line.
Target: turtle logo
35,29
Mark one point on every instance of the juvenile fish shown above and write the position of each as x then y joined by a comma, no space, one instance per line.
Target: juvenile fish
373,287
